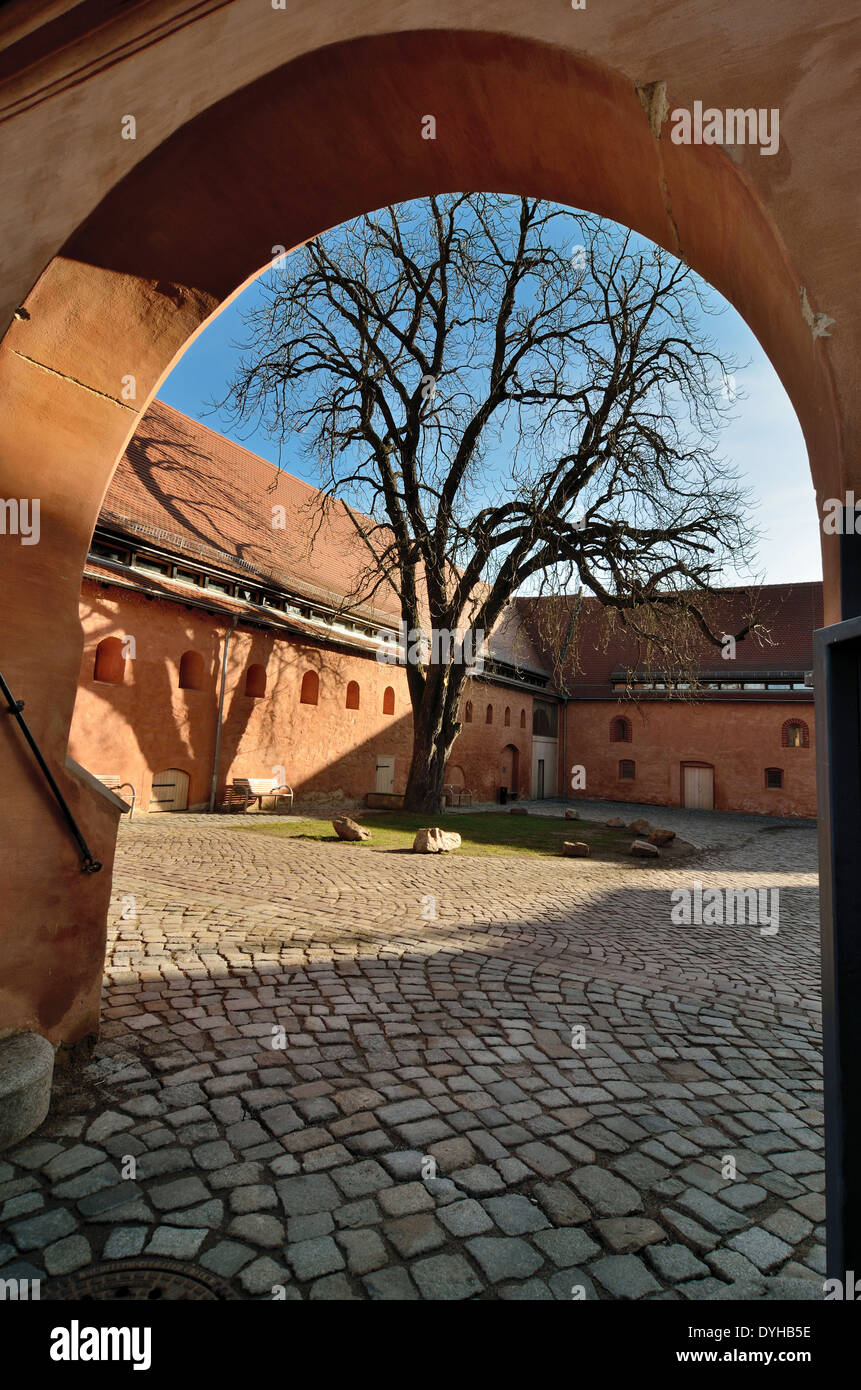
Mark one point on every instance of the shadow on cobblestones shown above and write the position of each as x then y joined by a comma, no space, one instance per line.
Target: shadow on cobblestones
539,1085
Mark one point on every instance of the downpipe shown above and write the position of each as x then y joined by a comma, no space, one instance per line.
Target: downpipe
217,755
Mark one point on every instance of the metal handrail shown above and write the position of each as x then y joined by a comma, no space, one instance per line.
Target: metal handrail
89,865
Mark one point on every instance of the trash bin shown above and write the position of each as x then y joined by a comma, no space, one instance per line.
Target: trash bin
503,795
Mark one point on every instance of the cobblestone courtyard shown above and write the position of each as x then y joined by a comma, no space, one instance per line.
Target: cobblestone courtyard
427,1007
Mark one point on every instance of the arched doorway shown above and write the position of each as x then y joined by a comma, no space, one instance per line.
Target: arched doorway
117,274
169,790
142,240
509,769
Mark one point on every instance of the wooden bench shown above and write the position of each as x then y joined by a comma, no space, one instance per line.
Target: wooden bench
246,791
112,781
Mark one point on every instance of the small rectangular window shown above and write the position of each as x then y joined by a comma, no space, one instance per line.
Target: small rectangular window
142,562
109,552
626,770
186,576
774,777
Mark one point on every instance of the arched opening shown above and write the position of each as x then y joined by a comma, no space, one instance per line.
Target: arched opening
507,717
795,734
488,717
110,662
388,700
523,719
169,790
134,280
352,695
509,769
620,730
310,692
467,714
192,671
255,682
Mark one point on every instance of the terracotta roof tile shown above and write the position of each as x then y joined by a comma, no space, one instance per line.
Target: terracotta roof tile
790,613
198,493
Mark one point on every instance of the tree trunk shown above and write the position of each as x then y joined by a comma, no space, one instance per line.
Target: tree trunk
427,773
435,728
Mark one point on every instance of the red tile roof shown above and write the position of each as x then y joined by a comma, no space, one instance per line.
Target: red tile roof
198,494
600,647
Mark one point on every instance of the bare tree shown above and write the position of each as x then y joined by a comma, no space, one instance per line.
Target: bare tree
508,397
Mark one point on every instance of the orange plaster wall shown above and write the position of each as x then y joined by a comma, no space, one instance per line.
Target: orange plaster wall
478,750
328,752
148,724
739,740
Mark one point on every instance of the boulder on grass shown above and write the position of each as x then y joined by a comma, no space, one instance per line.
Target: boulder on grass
615,823
519,810
347,829
661,837
639,827
575,849
572,815
643,848
432,840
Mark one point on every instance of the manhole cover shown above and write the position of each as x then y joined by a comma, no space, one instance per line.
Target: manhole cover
139,1280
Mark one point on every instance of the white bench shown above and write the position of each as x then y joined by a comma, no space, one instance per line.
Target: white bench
255,788
111,780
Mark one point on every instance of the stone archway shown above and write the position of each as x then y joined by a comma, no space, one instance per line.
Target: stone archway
277,137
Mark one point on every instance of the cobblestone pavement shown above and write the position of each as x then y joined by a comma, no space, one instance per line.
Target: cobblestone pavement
298,1036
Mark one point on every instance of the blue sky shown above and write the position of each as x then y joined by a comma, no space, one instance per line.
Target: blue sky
764,439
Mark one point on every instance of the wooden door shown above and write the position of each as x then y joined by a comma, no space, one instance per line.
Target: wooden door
169,790
509,768
385,781
699,787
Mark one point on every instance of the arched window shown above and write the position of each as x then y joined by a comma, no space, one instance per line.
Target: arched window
110,666
545,719
795,734
192,672
507,720
352,695
255,682
523,719
627,770
388,700
774,777
467,717
488,718
310,692
620,730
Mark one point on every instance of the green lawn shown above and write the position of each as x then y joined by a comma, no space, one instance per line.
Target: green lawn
482,832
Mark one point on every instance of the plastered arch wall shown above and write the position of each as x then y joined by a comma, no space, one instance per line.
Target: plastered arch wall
246,147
